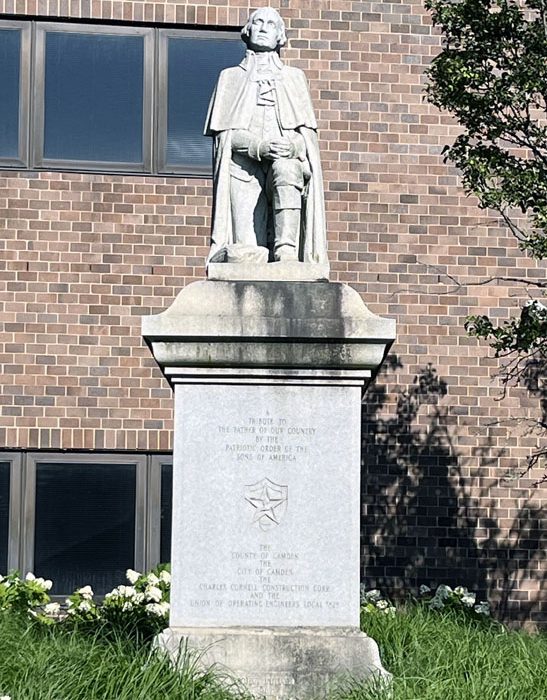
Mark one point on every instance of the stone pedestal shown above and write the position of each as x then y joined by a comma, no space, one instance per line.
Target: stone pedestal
268,379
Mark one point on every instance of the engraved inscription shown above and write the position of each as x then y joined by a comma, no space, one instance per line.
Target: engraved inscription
269,501
267,440
268,578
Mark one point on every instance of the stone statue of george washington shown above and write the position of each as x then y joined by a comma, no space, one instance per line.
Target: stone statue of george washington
268,202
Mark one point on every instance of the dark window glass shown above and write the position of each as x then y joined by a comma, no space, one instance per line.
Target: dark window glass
10,48
166,511
85,524
94,97
193,68
4,515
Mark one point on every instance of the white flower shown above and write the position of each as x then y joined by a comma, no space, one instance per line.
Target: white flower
122,592
86,592
460,590
382,604
482,608
165,576
160,609
132,576
52,609
443,591
128,605
84,606
373,595
152,579
468,600
5,697
424,590
42,583
153,593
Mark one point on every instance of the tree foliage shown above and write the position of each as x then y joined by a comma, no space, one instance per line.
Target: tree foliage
491,75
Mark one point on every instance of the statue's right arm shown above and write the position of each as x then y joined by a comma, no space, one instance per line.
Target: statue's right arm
247,144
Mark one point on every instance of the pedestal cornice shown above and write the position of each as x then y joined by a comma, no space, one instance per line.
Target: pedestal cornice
252,325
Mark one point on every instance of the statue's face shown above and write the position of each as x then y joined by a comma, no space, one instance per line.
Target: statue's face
264,30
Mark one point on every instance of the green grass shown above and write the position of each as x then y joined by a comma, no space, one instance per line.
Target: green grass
54,664
447,657
431,657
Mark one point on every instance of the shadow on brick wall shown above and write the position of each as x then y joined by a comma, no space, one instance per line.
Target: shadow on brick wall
425,521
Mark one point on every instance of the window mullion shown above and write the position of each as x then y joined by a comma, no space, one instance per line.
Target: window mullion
154,512
141,496
16,510
37,114
28,508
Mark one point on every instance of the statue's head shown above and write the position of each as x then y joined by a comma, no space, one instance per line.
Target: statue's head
265,30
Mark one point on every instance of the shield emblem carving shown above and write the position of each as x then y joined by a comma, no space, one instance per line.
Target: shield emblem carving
269,501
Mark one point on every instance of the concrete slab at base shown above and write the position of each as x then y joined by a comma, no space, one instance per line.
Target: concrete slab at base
279,663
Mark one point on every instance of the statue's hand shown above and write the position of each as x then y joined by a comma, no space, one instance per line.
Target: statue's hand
265,150
282,148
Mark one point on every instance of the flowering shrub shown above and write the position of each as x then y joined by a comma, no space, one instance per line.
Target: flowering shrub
80,608
459,598
373,602
143,606
442,599
21,595
139,610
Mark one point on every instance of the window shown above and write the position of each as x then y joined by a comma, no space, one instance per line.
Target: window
185,94
14,85
83,518
5,468
109,98
10,510
94,97
166,510
91,537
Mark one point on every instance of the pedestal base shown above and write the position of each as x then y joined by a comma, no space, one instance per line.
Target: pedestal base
278,663
288,271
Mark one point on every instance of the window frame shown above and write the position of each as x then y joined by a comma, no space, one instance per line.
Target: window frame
15,507
38,117
24,92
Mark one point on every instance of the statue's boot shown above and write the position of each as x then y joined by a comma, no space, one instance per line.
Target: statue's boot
287,234
287,182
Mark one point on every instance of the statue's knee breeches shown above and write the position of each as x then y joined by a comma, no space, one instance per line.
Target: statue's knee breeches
287,182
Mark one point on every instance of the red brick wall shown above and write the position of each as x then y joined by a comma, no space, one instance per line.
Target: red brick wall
83,257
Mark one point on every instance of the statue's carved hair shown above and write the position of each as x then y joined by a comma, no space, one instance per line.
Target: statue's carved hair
281,33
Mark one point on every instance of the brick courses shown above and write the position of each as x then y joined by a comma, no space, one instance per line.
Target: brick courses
84,256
